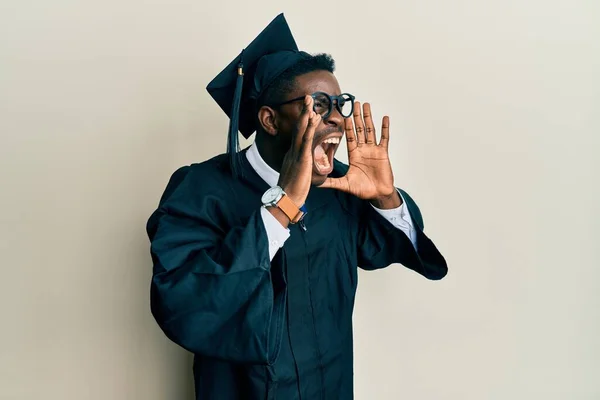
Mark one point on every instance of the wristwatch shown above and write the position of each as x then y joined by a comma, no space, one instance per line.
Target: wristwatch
276,197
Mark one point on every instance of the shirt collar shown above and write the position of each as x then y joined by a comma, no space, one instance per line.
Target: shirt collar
267,174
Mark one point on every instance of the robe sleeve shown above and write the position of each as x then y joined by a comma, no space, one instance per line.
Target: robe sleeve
212,290
400,218
381,244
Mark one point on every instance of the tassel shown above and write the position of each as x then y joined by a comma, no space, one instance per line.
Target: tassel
233,144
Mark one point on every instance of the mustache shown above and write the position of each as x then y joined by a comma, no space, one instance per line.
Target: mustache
331,129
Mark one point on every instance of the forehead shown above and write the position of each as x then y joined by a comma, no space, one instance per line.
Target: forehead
317,81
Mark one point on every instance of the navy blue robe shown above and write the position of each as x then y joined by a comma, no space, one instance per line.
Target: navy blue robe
262,329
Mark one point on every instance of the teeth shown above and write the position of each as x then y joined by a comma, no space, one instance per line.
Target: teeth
332,140
324,164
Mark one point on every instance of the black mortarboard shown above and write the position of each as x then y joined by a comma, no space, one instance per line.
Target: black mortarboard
240,84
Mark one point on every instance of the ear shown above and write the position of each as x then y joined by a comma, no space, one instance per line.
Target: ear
268,121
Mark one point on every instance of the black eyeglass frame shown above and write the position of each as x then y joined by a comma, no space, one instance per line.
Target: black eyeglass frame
331,103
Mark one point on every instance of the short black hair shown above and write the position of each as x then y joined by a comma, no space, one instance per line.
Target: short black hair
277,91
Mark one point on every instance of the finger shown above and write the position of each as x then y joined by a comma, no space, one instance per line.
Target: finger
385,132
369,127
350,135
307,105
358,124
309,135
305,115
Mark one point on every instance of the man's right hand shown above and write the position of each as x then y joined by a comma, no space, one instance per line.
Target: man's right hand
296,172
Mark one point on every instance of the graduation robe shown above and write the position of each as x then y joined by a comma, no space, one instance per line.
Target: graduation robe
262,329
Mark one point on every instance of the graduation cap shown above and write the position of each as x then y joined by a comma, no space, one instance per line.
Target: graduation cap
240,84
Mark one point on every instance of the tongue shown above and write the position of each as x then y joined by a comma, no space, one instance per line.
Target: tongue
321,159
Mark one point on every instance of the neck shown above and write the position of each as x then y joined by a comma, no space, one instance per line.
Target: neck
267,148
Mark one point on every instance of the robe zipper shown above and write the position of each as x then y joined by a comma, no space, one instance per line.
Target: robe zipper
302,225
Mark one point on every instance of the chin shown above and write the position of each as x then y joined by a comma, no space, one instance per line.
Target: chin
317,179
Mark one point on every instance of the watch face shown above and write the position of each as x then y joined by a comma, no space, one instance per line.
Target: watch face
272,195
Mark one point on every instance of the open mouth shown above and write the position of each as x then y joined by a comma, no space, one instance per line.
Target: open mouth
323,154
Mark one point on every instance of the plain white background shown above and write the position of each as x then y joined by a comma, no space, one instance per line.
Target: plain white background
494,130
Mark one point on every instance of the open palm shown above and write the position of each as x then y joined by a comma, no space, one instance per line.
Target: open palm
369,174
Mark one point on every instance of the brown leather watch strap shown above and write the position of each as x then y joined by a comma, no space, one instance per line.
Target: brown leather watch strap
290,209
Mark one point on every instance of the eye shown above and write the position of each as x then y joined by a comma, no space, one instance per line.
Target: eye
321,102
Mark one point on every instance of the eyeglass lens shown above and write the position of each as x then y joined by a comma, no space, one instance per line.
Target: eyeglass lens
323,106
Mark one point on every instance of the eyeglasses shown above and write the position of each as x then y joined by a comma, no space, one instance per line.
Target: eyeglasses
323,103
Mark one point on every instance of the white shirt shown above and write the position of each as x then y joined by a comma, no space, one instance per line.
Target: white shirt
277,234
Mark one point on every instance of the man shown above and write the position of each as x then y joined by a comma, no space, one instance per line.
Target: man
256,252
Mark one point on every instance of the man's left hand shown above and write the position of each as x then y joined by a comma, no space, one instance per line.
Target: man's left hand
369,175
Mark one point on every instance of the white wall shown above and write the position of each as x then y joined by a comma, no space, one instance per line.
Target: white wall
495,126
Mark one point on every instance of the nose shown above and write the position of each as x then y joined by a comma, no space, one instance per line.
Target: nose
335,119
